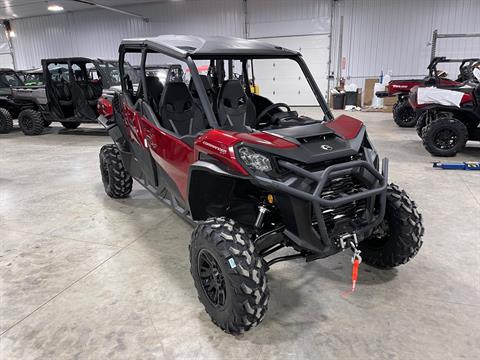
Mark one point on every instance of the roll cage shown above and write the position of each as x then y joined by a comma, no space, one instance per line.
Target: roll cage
432,67
216,50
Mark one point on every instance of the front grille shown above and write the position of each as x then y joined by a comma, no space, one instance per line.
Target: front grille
347,214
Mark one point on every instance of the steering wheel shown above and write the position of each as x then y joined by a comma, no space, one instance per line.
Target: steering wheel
270,108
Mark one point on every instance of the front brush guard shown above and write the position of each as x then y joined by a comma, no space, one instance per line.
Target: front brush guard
377,188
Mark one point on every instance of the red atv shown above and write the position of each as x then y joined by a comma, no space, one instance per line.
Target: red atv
403,114
252,176
444,125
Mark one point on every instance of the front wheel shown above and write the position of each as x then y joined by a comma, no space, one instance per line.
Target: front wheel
230,277
421,123
404,115
30,122
399,237
6,121
444,136
116,180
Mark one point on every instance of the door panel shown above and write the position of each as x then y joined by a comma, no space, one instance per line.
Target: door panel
172,154
139,145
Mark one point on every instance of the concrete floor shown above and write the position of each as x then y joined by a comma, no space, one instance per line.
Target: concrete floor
85,276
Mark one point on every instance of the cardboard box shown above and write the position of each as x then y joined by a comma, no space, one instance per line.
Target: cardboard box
389,101
368,91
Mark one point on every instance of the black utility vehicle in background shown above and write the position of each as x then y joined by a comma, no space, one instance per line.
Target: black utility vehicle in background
9,106
64,90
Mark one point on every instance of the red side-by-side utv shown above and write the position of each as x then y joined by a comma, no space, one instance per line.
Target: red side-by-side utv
403,114
252,176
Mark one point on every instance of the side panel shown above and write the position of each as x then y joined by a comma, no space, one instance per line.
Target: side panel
133,124
171,154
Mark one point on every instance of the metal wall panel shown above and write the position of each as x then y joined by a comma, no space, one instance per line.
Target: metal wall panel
396,34
97,33
270,18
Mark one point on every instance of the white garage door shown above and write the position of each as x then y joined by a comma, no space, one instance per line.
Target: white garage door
283,80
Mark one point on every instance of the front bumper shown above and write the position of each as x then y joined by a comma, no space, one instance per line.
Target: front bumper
305,199
382,94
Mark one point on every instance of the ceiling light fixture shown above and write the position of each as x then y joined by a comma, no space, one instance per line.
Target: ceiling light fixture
54,7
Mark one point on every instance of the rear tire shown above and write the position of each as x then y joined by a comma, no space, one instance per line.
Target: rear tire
404,115
444,136
6,121
230,277
30,122
70,125
116,180
399,238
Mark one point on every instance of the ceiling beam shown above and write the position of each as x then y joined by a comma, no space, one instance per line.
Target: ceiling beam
109,8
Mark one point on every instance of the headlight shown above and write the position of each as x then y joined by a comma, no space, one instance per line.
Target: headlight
254,160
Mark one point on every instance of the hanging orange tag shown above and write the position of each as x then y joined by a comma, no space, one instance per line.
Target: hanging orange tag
356,263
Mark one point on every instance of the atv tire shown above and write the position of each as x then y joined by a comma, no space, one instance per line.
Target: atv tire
70,125
229,276
421,123
117,182
399,238
444,136
404,115
30,122
6,121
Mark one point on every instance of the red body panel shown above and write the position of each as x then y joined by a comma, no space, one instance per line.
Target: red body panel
466,98
172,154
413,99
346,126
396,87
104,107
219,144
133,124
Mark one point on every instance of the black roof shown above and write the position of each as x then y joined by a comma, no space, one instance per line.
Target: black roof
66,59
181,46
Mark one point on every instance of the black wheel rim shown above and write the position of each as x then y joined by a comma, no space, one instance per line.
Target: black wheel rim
407,115
27,123
445,139
212,279
380,235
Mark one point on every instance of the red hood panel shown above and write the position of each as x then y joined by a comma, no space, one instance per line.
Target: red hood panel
345,126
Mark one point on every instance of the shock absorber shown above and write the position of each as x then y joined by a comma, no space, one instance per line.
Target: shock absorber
262,210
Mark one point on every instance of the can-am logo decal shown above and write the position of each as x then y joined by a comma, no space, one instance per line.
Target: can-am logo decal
326,147
215,147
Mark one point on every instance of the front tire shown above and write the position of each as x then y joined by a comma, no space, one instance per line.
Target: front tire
404,115
70,125
30,122
6,121
421,123
116,180
444,136
229,276
399,238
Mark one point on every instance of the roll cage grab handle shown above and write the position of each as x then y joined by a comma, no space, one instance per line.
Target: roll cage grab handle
212,121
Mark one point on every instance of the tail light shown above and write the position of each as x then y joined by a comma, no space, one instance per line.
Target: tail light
105,107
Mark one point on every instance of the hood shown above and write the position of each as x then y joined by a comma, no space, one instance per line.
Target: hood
316,142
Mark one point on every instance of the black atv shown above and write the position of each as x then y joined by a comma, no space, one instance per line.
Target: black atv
9,106
66,90
252,176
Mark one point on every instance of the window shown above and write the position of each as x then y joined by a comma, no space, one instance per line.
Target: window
59,72
7,80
